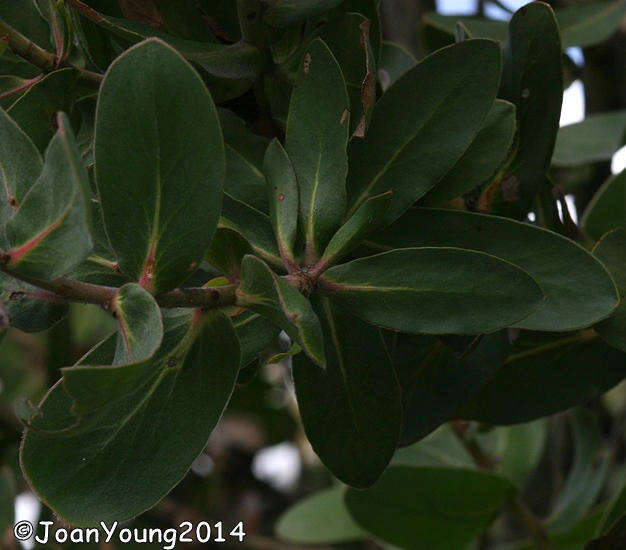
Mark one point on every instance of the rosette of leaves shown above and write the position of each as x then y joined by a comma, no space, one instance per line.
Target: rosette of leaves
204,236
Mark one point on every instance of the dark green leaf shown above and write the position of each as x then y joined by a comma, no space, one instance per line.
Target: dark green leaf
352,411
456,86
159,163
317,135
587,473
283,13
226,252
586,24
482,158
436,383
282,189
20,166
140,328
321,518
49,234
429,508
532,378
523,447
364,221
607,209
141,425
611,252
255,334
262,291
395,61
434,290
532,80
26,18
595,138
478,27
575,298
35,111
29,308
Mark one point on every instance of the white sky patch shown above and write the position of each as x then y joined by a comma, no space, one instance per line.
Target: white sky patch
27,508
573,109
571,206
279,466
577,56
619,161
457,7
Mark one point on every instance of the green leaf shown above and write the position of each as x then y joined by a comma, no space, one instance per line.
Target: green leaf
434,290
26,18
35,110
395,61
607,208
29,308
584,25
595,138
575,298
262,291
20,166
282,189
141,425
321,518
610,251
532,80
255,334
50,232
317,135
283,13
352,411
254,225
440,448
140,326
456,86
435,382
159,164
533,374
477,26
429,508
481,160
364,221
348,38
587,473
226,252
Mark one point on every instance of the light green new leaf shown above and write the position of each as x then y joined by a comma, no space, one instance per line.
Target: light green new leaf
533,374
140,425
532,80
20,166
140,328
367,218
607,209
429,508
434,290
611,251
49,234
321,518
35,110
575,298
282,13
410,147
282,190
395,61
262,291
159,164
587,473
316,140
352,411
586,24
255,226
481,160
226,252
596,138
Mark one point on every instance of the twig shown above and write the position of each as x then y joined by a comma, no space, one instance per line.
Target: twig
23,86
519,509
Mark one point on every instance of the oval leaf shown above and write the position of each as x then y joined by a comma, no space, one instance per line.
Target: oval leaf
607,208
352,411
141,425
456,86
159,164
434,291
575,298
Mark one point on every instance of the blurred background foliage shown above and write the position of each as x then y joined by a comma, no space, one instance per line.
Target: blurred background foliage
570,467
